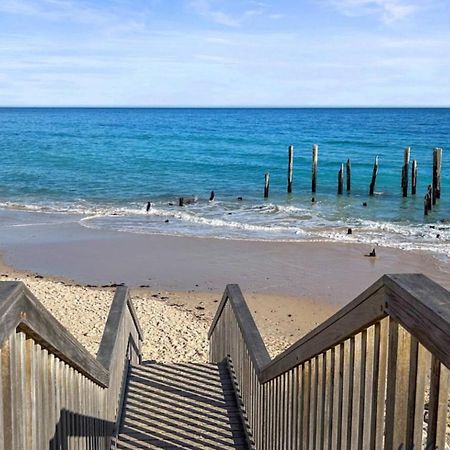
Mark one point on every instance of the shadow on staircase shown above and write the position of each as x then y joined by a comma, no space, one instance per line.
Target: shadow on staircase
180,406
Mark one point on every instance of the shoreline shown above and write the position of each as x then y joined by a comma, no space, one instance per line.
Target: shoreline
332,273
177,282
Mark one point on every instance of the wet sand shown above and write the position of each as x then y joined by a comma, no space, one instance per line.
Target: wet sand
177,282
325,272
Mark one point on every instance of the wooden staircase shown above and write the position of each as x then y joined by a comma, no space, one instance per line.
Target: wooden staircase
174,406
376,375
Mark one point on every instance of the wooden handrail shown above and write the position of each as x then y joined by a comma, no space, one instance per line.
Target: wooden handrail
362,379
108,343
416,302
20,309
255,344
51,387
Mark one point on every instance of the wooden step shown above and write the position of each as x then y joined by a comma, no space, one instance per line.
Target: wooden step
180,406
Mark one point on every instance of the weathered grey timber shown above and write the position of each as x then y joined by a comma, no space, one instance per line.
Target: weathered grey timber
430,198
357,380
437,168
266,184
53,393
315,156
184,405
414,177
425,204
341,180
349,175
362,379
374,176
290,168
405,171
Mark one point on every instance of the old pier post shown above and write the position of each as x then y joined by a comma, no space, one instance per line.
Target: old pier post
341,180
414,177
374,176
315,155
266,184
430,197
405,171
349,175
290,168
437,164
425,205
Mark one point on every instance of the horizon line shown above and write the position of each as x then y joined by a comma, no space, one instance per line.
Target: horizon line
223,107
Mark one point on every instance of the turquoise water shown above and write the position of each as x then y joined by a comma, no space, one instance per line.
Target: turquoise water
107,163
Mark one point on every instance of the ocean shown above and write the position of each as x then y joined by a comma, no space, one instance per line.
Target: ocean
104,165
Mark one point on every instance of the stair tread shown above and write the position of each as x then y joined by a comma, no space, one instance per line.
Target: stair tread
178,406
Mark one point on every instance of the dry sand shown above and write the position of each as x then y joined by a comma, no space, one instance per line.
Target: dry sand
175,324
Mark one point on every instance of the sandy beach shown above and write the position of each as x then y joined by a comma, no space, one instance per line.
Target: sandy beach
175,323
176,283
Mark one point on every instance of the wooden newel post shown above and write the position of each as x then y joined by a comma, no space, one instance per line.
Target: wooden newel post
349,175
341,180
266,184
437,164
374,176
405,171
414,177
290,168
315,155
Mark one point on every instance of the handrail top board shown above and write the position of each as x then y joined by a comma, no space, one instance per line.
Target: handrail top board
416,302
255,344
105,354
21,310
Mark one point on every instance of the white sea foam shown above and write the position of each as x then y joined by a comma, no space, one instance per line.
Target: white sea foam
254,221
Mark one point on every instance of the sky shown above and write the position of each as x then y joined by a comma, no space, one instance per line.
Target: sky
225,53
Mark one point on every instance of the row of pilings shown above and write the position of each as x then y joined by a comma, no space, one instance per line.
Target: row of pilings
433,191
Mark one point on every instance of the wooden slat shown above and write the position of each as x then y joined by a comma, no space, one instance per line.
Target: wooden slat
306,389
359,314
313,402
422,367
362,390
438,405
397,386
31,403
350,392
368,401
422,307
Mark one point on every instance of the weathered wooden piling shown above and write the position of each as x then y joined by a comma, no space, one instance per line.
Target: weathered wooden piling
341,180
414,177
405,171
349,175
266,184
374,176
181,201
425,205
290,168
437,163
315,155
430,197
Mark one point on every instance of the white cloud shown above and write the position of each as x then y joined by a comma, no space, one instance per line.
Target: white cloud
388,10
206,9
215,12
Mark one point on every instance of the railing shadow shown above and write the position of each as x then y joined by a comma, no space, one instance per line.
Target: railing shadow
181,407
74,430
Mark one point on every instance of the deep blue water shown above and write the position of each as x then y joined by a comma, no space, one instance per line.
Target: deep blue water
107,163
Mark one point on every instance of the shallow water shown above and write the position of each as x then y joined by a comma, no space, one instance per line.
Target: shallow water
107,163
